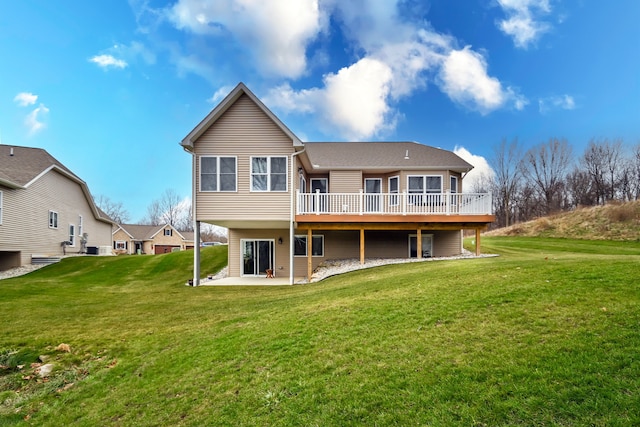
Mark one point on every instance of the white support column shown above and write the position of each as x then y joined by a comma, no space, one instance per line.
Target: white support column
196,253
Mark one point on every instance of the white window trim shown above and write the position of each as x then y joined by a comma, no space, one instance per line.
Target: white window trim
1,207
235,190
394,201
306,246
268,173
168,232
326,184
424,183
53,220
80,225
424,237
121,245
72,237
451,179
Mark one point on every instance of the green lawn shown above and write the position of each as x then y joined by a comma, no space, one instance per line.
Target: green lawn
546,334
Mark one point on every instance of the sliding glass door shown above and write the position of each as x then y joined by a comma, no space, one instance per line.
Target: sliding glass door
257,257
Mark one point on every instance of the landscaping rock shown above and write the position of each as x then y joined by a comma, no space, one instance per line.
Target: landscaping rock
44,370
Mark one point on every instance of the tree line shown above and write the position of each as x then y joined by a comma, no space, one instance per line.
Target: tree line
549,178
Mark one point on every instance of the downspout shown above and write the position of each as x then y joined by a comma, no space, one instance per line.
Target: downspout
292,215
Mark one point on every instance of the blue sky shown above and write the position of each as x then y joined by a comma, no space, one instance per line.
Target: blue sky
111,88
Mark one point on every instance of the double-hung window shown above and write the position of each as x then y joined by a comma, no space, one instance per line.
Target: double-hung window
72,235
300,245
394,189
53,219
269,173
80,226
422,188
218,173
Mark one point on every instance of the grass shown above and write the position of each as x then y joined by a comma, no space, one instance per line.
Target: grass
545,334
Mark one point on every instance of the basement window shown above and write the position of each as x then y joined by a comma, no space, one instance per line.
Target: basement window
300,245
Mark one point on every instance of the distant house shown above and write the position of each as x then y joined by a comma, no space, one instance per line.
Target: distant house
290,205
149,239
45,209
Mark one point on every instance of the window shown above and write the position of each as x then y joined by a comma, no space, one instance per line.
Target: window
0,207
394,189
53,219
80,225
300,245
72,235
268,174
120,245
217,173
423,184
454,184
167,232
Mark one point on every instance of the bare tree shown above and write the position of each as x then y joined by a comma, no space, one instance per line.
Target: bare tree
506,163
545,166
580,189
115,210
603,161
154,214
170,208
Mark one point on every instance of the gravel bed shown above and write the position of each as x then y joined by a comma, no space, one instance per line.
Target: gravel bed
19,271
330,268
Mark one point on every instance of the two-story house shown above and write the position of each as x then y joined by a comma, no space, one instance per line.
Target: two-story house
290,205
45,209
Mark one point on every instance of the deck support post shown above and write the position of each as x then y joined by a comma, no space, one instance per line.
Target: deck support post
419,243
309,254
362,246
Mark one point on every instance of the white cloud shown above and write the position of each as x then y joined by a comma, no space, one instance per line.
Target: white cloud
563,102
220,94
35,120
464,78
477,179
522,22
354,101
108,61
394,56
24,99
276,32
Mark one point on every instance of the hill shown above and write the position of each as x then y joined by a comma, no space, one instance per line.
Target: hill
619,222
545,334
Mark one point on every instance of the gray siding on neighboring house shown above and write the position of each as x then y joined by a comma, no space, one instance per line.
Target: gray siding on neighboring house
243,131
25,225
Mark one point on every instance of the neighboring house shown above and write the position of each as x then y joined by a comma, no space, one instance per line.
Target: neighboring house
290,205
42,205
150,239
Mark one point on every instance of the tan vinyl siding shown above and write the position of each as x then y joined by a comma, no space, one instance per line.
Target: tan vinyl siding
121,236
446,243
345,181
243,131
281,255
25,225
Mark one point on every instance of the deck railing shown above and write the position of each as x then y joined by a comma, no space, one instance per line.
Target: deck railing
393,203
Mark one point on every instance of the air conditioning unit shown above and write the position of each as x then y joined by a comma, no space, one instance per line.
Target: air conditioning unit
104,250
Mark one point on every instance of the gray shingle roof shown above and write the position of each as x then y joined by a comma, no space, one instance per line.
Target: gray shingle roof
25,164
382,156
